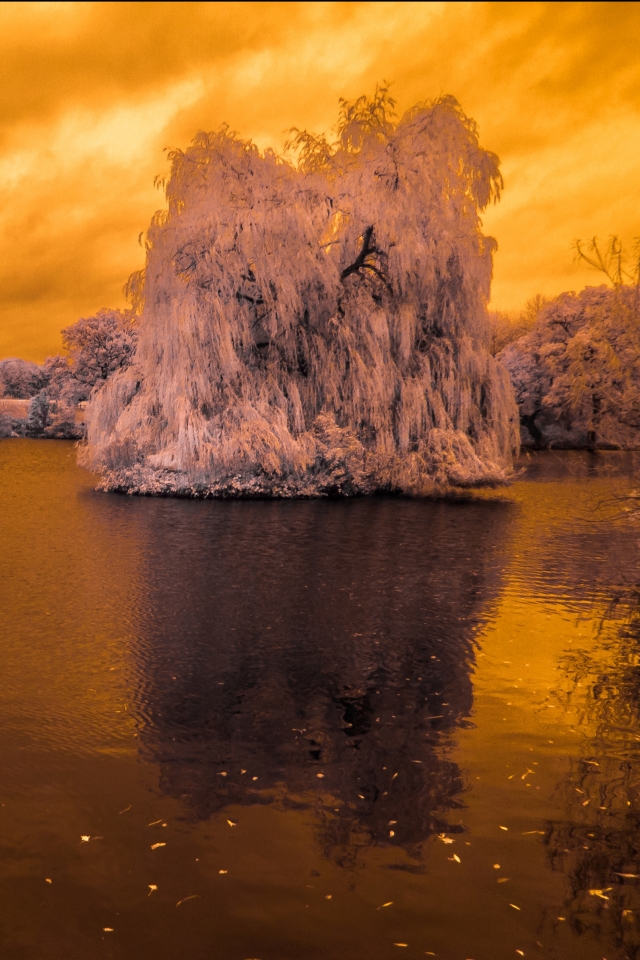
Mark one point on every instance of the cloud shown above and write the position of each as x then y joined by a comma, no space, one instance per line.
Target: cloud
91,93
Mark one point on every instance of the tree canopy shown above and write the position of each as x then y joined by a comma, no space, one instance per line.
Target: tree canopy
577,372
315,322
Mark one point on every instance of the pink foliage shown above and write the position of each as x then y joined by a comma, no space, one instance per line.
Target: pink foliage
577,373
315,326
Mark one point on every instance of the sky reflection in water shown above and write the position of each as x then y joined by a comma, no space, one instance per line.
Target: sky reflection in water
350,684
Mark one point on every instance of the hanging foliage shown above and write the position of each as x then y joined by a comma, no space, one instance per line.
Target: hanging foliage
316,323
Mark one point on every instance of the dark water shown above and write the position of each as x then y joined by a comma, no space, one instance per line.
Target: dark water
338,719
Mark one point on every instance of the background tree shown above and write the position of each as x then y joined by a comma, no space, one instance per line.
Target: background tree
96,347
577,372
507,327
21,379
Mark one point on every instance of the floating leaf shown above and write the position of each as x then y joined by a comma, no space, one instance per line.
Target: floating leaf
328,896
496,866
154,846
392,833
319,776
504,828
85,839
514,906
223,871
601,893
152,887
108,929
184,899
629,875
154,822
401,944
504,879
394,776
47,880
232,823
457,858
384,905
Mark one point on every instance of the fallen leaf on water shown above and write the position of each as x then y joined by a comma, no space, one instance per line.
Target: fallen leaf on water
125,809
361,796
457,858
152,887
430,953
319,776
627,913
232,823
444,839
154,846
504,879
600,893
328,896
384,905
394,776
401,944
562,918
243,771
391,822
626,874
85,839
526,774
223,871
108,929
514,906
222,774
392,833
496,866
254,778
585,803
511,777
521,952
47,880
526,833
504,828
154,822
184,899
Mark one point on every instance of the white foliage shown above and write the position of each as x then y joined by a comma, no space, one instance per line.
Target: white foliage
315,327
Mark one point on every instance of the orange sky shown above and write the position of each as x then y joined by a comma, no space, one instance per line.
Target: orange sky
91,93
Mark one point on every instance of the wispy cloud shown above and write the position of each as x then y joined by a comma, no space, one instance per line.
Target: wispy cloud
91,93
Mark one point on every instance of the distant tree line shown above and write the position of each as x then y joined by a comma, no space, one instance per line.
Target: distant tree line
574,360
95,347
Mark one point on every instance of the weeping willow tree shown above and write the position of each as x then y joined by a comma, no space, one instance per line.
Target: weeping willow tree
315,323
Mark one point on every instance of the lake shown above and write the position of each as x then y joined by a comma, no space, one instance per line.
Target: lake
199,754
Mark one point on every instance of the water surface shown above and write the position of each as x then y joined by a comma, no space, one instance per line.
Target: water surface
358,729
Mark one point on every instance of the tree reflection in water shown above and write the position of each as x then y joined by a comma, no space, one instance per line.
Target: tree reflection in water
597,843
317,655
